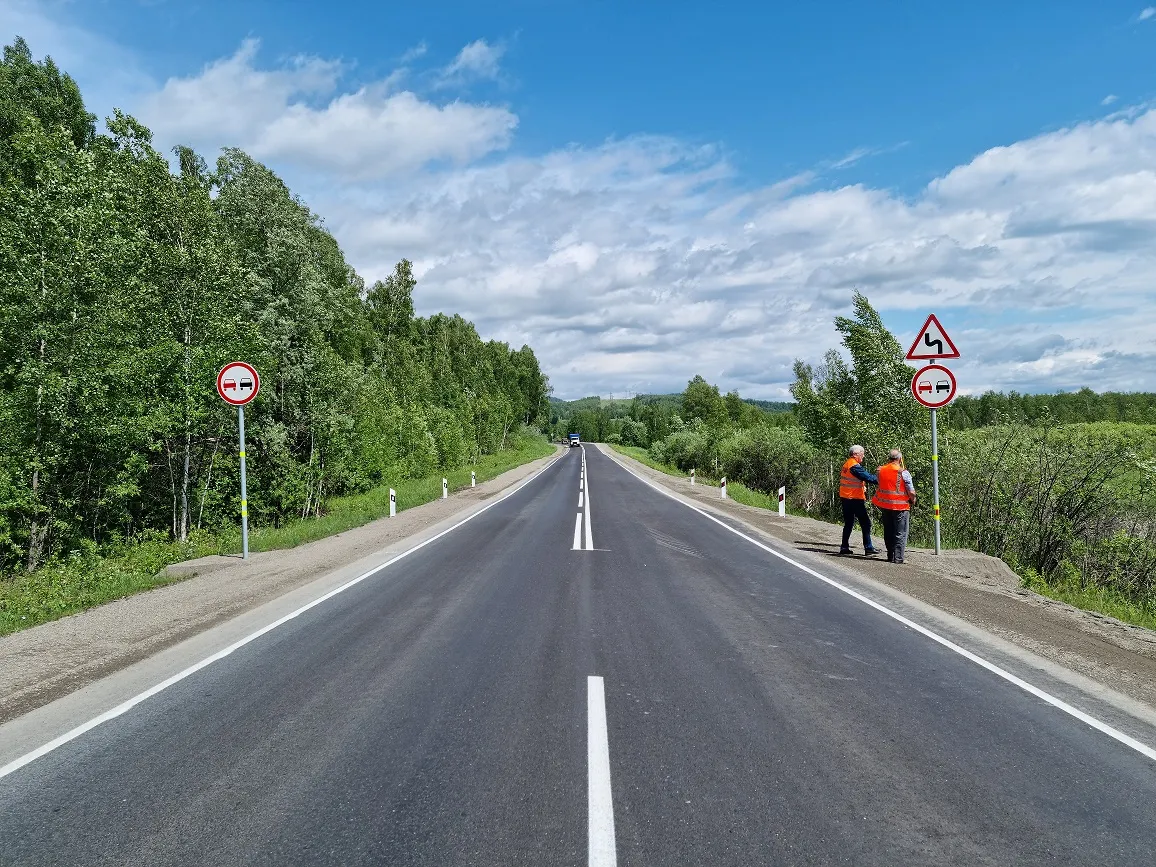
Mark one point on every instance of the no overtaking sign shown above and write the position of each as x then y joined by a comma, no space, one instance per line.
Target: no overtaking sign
238,383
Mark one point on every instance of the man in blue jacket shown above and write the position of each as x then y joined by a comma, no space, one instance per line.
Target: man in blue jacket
853,483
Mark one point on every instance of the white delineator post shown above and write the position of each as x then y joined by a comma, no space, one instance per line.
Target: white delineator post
473,479
782,502
392,503
723,488
692,478
244,486
445,488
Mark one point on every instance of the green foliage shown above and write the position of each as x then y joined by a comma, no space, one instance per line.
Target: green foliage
1069,506
867,402
1085,405
88,577
124,287
766,458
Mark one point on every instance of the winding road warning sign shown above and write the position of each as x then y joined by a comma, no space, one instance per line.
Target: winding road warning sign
238,383
932,343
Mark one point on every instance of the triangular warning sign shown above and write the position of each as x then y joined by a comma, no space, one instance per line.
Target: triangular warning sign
932,342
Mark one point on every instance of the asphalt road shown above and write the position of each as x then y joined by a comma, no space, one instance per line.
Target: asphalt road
556,683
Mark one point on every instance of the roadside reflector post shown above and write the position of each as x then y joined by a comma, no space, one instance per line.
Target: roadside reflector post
392,503
692,478
783,502
445,488
473,479
723,487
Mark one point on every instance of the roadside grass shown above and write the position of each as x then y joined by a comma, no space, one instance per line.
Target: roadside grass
736,491
643,457
1098,599
1101,600
91,577
346,513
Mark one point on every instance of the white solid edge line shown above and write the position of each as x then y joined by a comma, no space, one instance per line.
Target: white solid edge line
600,836
128,705
1055,702
577,532
586,512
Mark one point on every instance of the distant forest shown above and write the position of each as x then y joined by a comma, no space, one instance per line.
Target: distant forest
968,412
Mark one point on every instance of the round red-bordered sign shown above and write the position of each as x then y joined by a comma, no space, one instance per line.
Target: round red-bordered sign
238,383
934,386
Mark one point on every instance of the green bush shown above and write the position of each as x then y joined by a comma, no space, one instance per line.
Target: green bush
765,458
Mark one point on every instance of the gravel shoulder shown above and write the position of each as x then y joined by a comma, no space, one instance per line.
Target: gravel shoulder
41,664
978,589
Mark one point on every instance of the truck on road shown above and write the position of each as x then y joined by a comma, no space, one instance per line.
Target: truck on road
574,440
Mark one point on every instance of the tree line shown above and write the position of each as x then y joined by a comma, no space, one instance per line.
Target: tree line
126,283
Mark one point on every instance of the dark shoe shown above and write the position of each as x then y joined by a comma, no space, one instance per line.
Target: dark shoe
870,551
898,561
844,550
890,558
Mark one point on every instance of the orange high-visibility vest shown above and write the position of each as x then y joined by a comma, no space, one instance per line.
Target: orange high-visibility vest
851,488
891,493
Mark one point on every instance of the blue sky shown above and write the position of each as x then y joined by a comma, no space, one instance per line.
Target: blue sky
783,85
559,170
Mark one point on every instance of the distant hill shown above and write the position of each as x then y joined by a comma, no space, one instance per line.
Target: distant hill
672,400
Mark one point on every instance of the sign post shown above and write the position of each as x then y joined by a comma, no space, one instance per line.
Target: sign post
934,386
237,384
783,502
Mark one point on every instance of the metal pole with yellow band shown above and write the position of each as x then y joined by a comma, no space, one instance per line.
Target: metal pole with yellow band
245,491
934,475
237,384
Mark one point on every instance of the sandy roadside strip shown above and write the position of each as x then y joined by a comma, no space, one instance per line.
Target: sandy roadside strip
974,587
41,664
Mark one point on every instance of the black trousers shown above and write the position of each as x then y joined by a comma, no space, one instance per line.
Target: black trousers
856,510
895,523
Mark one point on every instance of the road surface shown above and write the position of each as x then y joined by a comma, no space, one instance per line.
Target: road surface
588,672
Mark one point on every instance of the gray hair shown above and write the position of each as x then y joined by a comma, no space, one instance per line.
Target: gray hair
855,450
896,455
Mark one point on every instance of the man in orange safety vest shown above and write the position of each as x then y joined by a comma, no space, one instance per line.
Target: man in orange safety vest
895,496
853,483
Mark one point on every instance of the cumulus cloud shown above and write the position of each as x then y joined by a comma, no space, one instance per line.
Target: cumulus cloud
1109,99
110,74
295,113
637,264
1147,13
478,60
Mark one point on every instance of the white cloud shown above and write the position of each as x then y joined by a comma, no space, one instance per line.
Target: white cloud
1147,13
639,263
295,114
109,74
478,60
1109,99
635,265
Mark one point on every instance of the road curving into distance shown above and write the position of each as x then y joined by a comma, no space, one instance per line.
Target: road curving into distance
515,693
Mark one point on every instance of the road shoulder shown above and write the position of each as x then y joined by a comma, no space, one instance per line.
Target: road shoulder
1108,658
44,663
